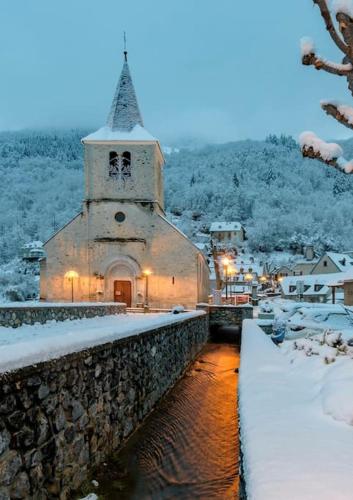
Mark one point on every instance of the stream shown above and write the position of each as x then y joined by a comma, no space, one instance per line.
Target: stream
188,446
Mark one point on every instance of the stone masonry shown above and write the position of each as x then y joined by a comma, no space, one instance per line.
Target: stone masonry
17,316
60,418
227,315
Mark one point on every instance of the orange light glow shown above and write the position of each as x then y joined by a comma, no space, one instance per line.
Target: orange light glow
71,275
249,277
225,261
147,272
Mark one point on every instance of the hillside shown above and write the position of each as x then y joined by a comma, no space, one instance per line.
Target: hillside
280,198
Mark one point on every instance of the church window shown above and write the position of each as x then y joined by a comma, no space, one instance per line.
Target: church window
113,164
120,217
120,166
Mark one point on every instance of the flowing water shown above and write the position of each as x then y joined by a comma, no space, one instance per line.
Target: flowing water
188,447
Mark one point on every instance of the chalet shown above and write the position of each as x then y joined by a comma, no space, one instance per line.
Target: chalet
332,262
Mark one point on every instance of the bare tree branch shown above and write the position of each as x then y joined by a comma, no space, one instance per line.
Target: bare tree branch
326,15
346,28
329,67
332,110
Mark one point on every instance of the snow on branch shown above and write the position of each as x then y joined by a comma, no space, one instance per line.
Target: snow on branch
330,153
311,59
340,112
327,151
342,7
307,46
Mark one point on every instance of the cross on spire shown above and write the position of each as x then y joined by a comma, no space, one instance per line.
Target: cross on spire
125,51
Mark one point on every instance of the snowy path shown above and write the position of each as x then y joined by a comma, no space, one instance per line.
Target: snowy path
31,344
294,446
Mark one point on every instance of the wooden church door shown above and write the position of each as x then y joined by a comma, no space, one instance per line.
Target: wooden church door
122,292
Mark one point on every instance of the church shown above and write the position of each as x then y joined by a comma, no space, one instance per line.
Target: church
121,247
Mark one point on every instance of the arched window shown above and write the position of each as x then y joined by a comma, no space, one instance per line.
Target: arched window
113,164
120,166
126,165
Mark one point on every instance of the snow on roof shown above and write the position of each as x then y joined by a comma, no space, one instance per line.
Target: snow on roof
225,226
343,261
310,280
106,133
33,244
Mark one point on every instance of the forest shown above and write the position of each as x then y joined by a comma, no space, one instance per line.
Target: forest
282,199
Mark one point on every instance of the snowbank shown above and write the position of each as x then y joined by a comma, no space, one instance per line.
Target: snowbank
30,344
293,446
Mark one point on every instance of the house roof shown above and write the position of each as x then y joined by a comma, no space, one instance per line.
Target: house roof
343,261
310,280
225,226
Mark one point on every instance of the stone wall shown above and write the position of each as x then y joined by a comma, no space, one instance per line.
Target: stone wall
62,417
227,315
29,315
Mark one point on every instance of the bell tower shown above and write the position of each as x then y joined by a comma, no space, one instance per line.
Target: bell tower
123,161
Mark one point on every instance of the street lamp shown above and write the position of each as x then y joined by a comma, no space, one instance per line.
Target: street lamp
225,263
146,273
71,275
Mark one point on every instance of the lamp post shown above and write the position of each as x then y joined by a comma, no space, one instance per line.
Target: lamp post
146,273
225,262
71,275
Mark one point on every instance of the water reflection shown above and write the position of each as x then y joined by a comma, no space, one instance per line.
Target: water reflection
188,447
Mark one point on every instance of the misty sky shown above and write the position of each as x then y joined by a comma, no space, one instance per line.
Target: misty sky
215,70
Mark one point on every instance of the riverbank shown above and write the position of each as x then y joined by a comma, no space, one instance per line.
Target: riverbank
294,407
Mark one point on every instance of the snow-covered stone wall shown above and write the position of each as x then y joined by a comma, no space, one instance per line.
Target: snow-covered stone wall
62,417
17,315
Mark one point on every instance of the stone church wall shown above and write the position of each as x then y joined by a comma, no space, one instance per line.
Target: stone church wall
60,418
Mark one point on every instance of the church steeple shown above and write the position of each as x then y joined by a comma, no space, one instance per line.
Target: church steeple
124,113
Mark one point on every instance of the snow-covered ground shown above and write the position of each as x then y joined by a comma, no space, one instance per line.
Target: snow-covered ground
304,319
296,413
31,344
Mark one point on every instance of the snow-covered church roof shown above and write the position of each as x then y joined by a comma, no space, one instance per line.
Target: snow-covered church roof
124,122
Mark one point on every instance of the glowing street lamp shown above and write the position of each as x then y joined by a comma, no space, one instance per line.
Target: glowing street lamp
71,275
226,262
248,277
146,273
263,279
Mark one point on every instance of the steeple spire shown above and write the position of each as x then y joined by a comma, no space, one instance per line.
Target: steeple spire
124,113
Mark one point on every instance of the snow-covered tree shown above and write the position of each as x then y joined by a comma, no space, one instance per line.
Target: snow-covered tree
342,35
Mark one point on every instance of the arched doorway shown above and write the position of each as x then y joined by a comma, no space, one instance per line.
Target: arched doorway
121,281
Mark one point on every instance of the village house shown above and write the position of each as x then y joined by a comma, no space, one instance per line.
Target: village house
121,247
306,264
309,288
227,234
332,262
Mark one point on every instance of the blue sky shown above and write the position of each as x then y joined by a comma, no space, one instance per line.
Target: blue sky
217,71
